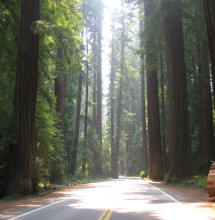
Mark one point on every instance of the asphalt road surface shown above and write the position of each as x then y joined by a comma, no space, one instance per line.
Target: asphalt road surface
121,199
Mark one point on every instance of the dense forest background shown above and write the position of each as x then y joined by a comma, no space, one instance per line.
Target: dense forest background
56,122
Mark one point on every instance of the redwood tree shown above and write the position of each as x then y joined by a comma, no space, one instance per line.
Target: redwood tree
119,96
209,8
77,125
20,165
98,29
60,82
156,171
112,102
207,149
143,95
86,112
60,93
179,144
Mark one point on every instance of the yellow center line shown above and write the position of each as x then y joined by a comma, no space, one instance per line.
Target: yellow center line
103,214
106,214
107,217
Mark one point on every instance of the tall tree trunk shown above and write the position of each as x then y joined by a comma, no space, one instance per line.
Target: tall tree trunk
74,152
94,148
207,149
156,171
86,112
180,155
60,93
143,95
99,90
163,115
206,118
84,161
132,133
119,99
98,162
209,8
118,126
129,153
94,61
20,165
144,131
60,83
112,103
77,125
130,147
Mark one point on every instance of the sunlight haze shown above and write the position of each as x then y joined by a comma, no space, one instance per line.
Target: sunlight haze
110,6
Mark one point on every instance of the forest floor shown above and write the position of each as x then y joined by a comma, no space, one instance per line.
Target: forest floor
187,195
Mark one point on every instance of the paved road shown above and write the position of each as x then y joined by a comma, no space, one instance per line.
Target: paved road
122,199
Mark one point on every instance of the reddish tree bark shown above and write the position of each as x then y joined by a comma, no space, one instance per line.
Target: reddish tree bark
20,167
143,93
156,171
60,93
119,98
77,125
209,8
207,149
60,83
180,156
98,162
112,103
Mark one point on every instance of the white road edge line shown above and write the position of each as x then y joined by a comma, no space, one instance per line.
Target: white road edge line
35,210
166,194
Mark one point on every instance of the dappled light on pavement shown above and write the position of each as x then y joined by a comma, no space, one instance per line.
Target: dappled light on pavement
121,199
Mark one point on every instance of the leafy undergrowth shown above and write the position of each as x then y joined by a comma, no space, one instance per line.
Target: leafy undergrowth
7,198
49,189
143,174
54,187
75,180
201,182
197,181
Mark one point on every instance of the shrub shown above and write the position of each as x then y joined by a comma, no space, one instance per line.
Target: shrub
143,174
174,180
200,182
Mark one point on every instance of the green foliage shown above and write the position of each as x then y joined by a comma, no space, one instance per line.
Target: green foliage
130,155
9,29
196,181
106,155
60,25
79,178
8,198
42,190
48,147
200,182
70,103
63,20
90,148
173,180
143,174
8,42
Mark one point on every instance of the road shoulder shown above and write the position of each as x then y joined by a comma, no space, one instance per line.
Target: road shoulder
187,195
